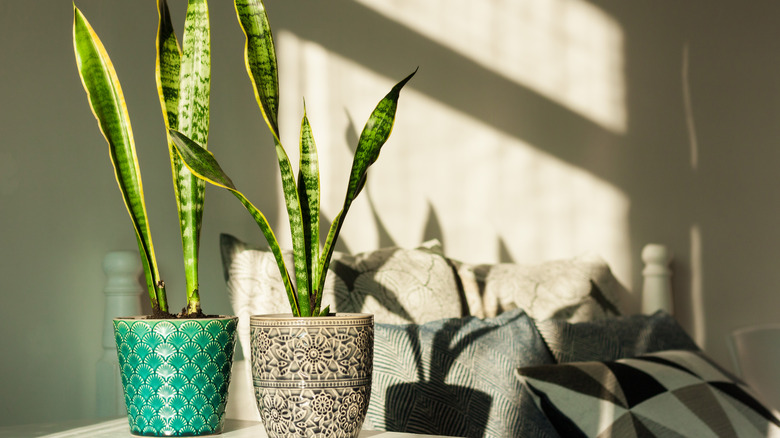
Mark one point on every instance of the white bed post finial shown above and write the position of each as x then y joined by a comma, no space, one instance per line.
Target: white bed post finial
657,287
123,290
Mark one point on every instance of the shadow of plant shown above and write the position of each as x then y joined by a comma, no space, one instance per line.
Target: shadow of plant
369,287
436,404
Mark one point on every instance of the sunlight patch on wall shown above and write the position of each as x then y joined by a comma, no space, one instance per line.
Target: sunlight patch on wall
444,173
569,51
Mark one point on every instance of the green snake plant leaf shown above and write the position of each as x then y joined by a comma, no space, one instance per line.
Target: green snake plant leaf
183,85
261,65
168,66
260,59
309,194
108,105
297,229
203,164
375,133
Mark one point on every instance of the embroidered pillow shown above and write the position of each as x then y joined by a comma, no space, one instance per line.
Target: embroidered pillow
397,285
675,393
455,377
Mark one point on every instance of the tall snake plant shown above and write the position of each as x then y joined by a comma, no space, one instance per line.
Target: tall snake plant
183,84
302,199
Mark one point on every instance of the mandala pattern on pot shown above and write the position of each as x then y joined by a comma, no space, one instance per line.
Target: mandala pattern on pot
320,412
312,376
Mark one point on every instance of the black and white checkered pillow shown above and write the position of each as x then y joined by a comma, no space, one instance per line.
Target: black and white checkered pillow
667,394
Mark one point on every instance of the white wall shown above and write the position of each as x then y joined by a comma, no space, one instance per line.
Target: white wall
544,128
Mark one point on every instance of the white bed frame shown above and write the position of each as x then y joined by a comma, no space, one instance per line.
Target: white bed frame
657,279
123,292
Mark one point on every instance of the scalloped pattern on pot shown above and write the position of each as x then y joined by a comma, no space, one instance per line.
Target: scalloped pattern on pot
175,373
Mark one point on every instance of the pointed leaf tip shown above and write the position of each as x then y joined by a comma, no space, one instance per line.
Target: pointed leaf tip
399,85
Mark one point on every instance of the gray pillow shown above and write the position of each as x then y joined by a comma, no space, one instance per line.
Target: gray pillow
456,377
613,338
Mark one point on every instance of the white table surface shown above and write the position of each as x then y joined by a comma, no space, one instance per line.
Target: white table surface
119,428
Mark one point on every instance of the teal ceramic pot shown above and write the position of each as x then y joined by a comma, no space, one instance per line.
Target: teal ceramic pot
175,373
312,376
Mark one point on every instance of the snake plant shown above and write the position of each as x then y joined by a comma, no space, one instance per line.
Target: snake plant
183,84
302,198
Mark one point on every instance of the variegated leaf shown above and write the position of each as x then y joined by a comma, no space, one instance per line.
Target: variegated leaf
375,133
260,58
309,195
108,105
183,82
204,165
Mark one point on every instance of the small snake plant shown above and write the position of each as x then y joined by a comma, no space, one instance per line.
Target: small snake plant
183,84
302,198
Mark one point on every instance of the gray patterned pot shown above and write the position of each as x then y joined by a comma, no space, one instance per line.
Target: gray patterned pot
312,376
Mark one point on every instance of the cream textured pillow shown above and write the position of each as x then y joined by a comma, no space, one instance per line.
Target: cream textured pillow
397,285
577,289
